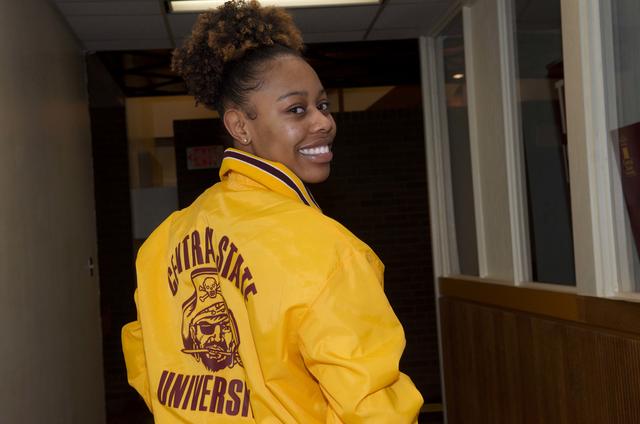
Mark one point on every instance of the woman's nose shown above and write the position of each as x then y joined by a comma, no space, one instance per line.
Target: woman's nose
322,121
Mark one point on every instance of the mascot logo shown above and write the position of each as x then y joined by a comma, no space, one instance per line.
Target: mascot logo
209,330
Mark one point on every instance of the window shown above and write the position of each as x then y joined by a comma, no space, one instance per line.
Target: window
554,143
621,51
540,79
451,50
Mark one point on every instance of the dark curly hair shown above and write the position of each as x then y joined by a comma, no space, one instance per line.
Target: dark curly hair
223,58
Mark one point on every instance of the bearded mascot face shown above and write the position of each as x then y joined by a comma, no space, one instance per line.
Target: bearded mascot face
209,330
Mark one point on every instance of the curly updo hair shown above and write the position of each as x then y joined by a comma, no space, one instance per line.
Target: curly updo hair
222,60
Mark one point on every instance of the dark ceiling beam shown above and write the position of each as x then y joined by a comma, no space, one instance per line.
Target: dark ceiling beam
339,65
163,64
152,74
375,18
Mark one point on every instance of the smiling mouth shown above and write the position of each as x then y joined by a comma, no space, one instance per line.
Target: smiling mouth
313,151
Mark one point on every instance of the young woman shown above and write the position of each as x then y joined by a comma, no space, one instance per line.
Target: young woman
252,305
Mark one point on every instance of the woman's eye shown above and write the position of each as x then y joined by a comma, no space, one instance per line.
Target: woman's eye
297,110
324,106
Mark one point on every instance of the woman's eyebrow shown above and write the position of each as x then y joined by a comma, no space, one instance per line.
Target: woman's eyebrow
293,93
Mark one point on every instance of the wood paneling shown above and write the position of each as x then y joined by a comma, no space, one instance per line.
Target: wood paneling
507,364
618,315
554,304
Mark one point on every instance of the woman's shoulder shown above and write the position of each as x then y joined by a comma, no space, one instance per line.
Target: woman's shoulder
257,208
273,221
311,228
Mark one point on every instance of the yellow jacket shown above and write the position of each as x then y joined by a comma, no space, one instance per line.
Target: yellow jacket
255,307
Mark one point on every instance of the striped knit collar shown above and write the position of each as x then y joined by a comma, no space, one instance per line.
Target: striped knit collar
273,175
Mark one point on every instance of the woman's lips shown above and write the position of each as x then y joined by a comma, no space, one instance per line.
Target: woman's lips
317,154
309,151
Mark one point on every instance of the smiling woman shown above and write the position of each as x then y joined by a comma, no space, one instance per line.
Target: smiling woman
272,102
253,306
290,123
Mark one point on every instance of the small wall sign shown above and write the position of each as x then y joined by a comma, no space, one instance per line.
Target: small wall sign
204,157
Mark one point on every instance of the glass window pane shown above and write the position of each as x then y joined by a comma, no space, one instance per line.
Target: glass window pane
621,47
541,81
451,43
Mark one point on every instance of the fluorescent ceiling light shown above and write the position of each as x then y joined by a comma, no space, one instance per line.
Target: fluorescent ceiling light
186,6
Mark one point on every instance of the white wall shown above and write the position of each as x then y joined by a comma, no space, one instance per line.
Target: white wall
488,139
50,354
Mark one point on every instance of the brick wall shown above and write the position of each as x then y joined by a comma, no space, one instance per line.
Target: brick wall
378,190
115,256
192,133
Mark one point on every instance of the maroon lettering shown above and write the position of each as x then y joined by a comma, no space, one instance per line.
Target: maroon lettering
175,396
205,392
217,395
232,251
177,269
222,246
196,251
235,272
162,397
245,403
208,243
233,405
165,383
246,275
196,392
251,289
185,250
173,284
186,397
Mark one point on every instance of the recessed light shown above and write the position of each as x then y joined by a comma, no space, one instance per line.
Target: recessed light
191,6
457,76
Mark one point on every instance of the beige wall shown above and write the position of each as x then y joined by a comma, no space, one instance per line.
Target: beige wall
50,354
149,118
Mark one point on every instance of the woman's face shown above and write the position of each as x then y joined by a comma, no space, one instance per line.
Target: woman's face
292,122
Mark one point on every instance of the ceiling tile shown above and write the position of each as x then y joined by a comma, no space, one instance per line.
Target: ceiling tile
98,1
411,15
395,2
326,24
110,8
131,44
138,24
181,23
334,19
97,28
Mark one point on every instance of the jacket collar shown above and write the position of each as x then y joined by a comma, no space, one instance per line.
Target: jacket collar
273,175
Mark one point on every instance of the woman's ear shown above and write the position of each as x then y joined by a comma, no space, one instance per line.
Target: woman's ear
236,124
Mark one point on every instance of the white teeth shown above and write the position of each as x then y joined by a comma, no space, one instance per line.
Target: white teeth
315,150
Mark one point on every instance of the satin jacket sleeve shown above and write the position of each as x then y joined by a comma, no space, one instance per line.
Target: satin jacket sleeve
133,349
352,341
